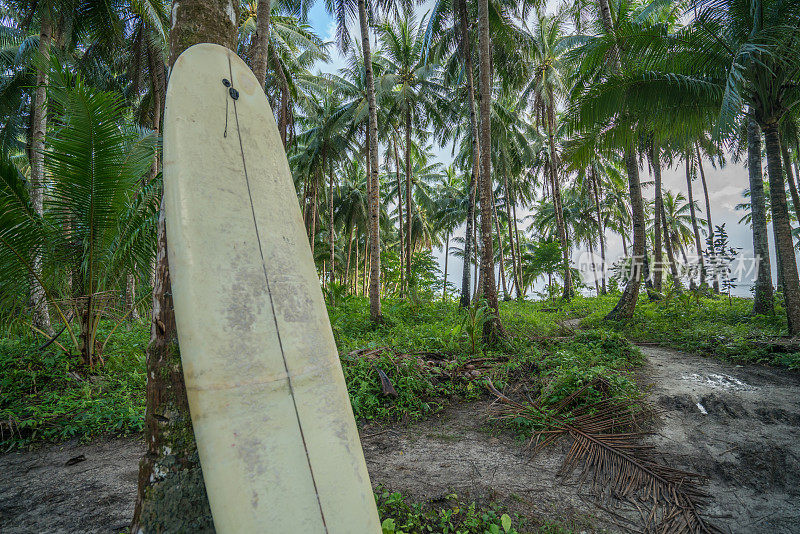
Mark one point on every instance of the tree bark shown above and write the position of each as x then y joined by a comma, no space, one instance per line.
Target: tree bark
673,266
283,116
557,205
600,226
715,281
627,302
492,328
400,220
374,191
408,195
171,494
511,237
659,261
262,47
500,250
40,314
446,256
787,163
695,228
763,301
466,54
332,278
780,219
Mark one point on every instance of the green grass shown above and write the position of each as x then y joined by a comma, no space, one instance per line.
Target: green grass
45,397
448,516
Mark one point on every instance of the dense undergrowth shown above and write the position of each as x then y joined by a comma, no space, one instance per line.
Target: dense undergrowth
429,360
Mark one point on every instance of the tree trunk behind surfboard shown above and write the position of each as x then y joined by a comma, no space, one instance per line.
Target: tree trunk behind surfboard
171,495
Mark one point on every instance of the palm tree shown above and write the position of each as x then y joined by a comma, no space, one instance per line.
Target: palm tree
413,92
547,46
763,302
342,9
194,21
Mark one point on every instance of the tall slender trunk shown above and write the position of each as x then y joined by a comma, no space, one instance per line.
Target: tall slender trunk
627,302
312,236
408,194
283,116
511,236
171,494
600,226
780,219
40,314
330,230
466,54
492,328
624,243
364,276
659,261
763,301
555,184
446,256
594,267
519,251
708,213
346,275
787,164
262,37
673,266
695,227
374,191
500,249
400,220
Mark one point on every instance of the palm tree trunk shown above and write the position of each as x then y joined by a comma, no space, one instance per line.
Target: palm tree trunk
600,226
500,249
374,191
780,219
627,302
710,238
659,261
332,278
695,227
446,256
673,266
763,301
313,223
466,54
408,194
511,236
283,117
594,267
492,328
40,314
347,261
262,45
170,470
400,220
557,205
366,262
519,251
787,163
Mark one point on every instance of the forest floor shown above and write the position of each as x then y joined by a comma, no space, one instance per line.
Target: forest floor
737,425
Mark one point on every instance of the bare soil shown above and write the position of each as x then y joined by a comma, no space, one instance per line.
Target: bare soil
739,426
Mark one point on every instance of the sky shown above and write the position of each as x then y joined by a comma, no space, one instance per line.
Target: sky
726,185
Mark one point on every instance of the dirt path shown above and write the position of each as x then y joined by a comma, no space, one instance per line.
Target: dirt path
740,426
747,442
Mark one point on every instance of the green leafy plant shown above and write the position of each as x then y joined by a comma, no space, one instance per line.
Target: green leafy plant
475,316
99,221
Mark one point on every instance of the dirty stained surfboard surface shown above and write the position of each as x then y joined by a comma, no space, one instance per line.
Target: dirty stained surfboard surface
278,444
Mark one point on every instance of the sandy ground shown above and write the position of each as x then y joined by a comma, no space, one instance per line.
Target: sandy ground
740,426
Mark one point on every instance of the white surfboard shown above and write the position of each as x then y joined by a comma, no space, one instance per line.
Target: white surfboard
278,444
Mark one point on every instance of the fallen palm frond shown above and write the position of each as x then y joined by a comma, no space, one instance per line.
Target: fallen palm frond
607,445
433,362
